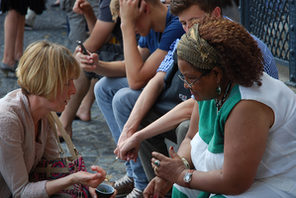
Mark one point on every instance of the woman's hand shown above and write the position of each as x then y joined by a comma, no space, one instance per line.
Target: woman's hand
157,187
90,179
167,168
92,192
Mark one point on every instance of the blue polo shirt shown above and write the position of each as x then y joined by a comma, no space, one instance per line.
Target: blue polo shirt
163,40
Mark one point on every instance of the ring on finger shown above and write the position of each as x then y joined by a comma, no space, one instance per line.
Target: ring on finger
155,169
157,163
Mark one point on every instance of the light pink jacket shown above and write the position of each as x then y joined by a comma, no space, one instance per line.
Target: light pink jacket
19,152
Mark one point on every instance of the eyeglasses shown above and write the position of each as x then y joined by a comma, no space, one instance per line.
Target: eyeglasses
192,83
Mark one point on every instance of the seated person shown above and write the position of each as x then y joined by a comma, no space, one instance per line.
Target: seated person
26,122
241,140
158,29
106,37
163,93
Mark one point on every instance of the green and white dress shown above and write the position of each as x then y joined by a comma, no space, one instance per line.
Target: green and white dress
276,174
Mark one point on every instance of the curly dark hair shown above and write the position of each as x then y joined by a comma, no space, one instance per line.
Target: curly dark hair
240,57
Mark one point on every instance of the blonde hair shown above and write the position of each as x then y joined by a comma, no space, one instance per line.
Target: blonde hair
114,8
45,67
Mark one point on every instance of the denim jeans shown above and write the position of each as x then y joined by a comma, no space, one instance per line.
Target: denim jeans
116,102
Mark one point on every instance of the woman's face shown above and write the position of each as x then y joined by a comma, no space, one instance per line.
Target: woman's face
202,86
59,103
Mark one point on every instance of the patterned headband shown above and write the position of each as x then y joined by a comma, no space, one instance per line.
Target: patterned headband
196,51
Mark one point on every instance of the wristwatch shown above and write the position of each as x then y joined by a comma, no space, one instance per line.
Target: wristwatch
188,177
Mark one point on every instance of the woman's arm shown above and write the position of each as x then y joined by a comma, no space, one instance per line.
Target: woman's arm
81,177
246,133
14,160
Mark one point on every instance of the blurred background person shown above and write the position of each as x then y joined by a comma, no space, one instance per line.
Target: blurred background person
14,30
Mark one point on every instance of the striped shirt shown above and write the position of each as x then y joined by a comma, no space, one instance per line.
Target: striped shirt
168,61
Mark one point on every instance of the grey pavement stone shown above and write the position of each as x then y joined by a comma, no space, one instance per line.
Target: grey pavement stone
92,139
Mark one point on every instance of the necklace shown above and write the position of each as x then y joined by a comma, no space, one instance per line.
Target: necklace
219,103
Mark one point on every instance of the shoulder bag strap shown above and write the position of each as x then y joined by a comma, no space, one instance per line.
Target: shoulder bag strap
65,135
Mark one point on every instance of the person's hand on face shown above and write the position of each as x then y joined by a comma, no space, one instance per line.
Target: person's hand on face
166,167
130,11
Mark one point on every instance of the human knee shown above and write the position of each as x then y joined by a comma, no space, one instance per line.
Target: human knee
125,98
181,131
100,88
120,97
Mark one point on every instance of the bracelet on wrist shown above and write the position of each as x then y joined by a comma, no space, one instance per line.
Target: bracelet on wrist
186,163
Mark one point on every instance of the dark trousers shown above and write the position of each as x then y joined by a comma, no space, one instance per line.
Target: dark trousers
159,143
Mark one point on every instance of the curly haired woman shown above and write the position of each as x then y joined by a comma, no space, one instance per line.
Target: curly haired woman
245,145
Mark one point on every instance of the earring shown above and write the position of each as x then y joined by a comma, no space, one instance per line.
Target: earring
218,90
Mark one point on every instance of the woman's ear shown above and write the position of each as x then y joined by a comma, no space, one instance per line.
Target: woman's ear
219,73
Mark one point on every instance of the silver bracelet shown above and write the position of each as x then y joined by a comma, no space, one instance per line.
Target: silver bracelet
186,163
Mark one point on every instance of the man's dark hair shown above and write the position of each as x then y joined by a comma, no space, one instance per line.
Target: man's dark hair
229,3
178,6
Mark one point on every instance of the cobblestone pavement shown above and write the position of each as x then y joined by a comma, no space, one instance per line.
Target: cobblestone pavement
92,139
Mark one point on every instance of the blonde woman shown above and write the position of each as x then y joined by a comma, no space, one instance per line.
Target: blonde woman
45,74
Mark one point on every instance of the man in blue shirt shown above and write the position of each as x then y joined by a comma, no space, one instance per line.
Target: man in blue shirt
158,29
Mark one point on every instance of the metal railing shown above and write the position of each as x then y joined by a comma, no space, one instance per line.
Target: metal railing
274,22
